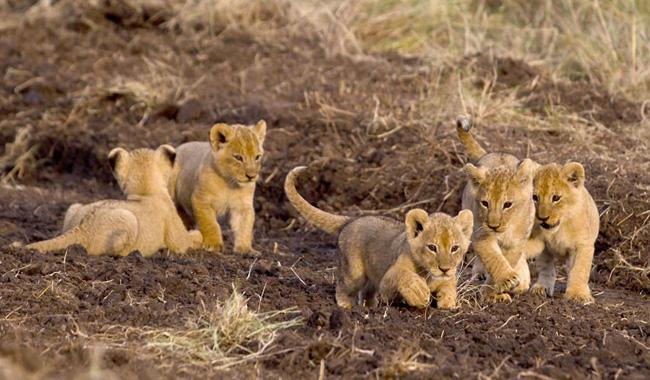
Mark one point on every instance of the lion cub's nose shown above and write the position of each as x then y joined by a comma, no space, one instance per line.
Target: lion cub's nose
542,219
250,177
494,227
444,270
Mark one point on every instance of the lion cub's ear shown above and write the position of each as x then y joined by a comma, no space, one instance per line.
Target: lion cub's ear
477,175
465,220
117,158
416,220
220,134
260,131
526,170
168,152
574,173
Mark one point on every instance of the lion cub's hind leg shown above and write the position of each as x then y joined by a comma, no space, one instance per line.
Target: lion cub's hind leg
120,236
545,284
352,277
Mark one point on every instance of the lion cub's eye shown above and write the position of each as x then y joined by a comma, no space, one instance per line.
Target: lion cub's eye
507,205
257,158
454,249
432,248
237,157
556,198
484,204
535,198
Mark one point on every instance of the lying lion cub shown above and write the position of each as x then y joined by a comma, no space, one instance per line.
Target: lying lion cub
146,221
499,192
382,255
213,178
566,228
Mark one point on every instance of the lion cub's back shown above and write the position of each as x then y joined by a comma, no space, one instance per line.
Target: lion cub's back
187,167
377,239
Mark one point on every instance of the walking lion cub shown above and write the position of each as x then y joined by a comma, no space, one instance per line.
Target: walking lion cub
146,221
381,255
499,193
217,177
566,228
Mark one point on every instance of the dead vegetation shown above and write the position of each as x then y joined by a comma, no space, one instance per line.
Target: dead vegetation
224,335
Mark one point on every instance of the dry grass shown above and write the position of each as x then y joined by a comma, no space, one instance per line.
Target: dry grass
224,335
597,40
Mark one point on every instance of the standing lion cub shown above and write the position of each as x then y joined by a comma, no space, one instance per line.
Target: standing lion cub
146,221
566,228
499,192
409,260
213,178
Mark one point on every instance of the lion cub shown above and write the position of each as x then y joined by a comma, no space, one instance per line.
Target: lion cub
566,228
146,221
499,193
378,254
213,178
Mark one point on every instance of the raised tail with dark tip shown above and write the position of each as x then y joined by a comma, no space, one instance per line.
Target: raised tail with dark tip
325,221
473,148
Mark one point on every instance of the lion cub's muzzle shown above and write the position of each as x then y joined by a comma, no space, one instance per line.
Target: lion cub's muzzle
544,223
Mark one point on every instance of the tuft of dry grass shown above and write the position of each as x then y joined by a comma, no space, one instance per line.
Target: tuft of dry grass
18,157
404,360
225,334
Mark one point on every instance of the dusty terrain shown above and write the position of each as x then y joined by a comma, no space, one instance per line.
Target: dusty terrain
377,132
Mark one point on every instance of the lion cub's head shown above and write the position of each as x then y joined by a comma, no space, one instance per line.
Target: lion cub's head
500,192
438,242
142,171
237,151
556,188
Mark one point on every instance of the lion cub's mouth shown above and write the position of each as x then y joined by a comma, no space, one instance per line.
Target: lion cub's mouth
547,226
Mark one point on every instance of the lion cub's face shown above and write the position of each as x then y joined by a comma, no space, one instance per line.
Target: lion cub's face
501,191
556,189
438,242
237,151
142,171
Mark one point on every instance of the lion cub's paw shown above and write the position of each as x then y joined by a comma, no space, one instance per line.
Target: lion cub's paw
249,251
212,244
446,303
415,292
540,290
581,297
196,238
507,282
498,297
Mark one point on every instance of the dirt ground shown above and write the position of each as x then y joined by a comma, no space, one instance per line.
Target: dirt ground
378,135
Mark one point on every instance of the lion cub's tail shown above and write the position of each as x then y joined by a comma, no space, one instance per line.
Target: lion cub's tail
474,150
62,241
327,222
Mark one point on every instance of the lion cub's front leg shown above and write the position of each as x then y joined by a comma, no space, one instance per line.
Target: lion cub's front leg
446,294
206,219
579,269
504,276
242,221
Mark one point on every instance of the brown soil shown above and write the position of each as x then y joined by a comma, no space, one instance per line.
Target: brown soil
55,309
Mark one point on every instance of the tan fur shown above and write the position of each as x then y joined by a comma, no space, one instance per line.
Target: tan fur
499,193
565,229
396,260
146,221
213,178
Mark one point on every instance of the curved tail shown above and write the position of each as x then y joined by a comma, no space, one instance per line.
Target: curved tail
473,148
62,241
327,222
